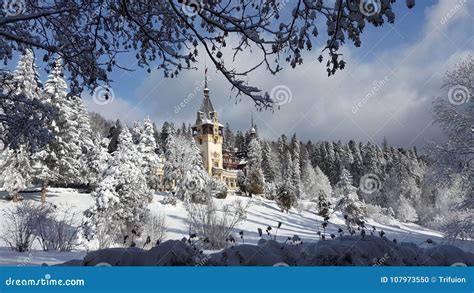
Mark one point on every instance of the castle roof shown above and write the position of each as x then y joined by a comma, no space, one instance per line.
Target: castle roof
206,106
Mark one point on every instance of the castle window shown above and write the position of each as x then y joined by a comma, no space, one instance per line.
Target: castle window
216,164
200,141
215,140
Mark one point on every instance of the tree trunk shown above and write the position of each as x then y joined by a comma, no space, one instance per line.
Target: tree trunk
44,189
15,196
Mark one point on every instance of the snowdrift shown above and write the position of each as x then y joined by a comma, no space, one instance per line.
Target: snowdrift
341,251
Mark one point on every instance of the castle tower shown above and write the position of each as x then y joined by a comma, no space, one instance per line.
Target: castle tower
208,135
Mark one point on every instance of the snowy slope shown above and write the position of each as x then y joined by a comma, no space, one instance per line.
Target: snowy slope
261,213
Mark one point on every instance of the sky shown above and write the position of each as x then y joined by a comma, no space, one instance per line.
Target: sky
387,87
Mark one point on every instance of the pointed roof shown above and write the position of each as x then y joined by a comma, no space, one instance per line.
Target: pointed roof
206,106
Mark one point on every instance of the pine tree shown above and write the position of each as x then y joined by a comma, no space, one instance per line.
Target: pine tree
295,157
348,202
26,76
121,196
254,171
47,161
269,163
184,166
98,161
113,136
136,131
16,171
147,148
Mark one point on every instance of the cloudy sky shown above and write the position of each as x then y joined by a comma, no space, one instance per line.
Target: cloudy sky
386,89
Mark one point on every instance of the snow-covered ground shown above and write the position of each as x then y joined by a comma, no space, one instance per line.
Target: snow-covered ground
260,214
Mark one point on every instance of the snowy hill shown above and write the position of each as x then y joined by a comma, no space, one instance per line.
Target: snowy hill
260,214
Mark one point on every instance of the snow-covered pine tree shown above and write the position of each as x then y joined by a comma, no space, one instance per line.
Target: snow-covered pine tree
113,136
25,118
254,173
98,161
16,171
242,181
121,196
136,132
147,148
401,191
295,157
46,162
184,166
348,201
269,163
26,76
286,193
316,185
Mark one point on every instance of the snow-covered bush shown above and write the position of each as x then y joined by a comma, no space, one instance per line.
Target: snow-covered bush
286,197
218,188
171,200
154,231
215,224
270,190
379,214
57,231
21,223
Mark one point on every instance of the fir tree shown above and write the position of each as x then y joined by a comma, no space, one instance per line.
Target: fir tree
254,173
121,196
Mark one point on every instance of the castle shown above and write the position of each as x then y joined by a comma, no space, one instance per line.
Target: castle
208,133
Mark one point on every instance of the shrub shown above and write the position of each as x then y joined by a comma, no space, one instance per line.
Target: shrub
21,224
213,224
286,197
171,200
56,231
154,231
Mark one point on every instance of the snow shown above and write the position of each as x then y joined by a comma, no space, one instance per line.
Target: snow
260,214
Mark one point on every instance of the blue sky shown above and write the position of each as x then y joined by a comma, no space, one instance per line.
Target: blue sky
404,62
